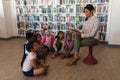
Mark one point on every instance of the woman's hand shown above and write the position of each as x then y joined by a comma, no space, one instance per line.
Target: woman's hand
70,28
78,33
73,29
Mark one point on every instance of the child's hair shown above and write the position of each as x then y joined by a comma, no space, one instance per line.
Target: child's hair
29,35
29,45
70,34
36,36
59,33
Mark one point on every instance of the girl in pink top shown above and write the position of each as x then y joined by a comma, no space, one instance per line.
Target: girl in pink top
48,39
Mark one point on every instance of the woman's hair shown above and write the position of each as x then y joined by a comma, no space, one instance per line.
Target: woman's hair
89,7
29,45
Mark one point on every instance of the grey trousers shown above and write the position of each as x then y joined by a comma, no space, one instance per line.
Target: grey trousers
82,42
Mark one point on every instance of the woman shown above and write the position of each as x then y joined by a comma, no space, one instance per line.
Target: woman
88,35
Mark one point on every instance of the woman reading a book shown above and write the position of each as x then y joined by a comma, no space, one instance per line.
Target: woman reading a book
88,35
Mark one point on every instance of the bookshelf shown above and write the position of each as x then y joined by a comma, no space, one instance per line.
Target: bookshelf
58,15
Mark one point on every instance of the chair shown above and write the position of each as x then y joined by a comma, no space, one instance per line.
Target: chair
90,59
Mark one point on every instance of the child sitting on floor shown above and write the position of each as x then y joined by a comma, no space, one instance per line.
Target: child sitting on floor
59,44
69,45
29,37
43,50
30,66
48,39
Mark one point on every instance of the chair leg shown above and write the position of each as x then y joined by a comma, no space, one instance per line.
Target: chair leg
90,58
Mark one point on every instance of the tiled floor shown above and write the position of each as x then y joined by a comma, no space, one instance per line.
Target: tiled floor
108,67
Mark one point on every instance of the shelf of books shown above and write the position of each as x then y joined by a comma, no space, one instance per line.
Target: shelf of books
58,15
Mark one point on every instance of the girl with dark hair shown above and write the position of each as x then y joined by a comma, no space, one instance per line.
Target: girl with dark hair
30,67
59,44
29,37
88,35
48,39
43,50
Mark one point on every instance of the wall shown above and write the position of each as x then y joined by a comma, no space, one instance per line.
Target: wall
14,20
114,23
2,22
7,14
8,20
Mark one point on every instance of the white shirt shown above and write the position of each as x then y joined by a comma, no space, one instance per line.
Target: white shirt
47,42
26,52
27,63
90,28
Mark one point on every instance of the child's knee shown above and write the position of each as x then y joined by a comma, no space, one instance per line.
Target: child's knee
42,70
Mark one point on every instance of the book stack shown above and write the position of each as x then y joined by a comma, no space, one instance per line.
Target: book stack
35,18
85,1
56,2
102,36
20,25
102,27
50,26
103,1
20,18
21,31
70,10
35,2
50,18
19,10
102,18
44,10
102,9
63,10
93,1
18,2
77,9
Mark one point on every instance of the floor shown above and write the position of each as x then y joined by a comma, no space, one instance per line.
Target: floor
108,67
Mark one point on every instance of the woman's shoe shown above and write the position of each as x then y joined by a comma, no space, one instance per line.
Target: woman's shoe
74,62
